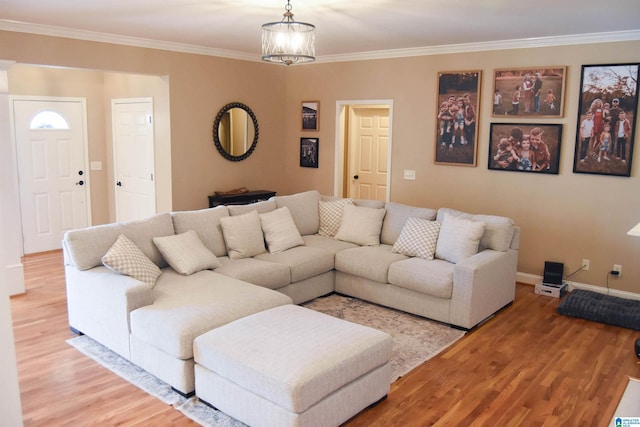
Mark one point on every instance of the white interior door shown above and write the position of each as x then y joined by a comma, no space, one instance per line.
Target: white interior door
51,143
368,153
134,164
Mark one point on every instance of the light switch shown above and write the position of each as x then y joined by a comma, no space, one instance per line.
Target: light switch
96,166
409,174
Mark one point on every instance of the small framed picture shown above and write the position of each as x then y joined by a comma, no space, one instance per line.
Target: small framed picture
457,118
525,147
606,119
529,92
310,115
309,152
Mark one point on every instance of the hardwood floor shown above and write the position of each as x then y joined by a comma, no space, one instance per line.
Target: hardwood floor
528,366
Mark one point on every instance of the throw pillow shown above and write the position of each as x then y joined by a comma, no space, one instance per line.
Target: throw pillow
186,253
459,238
331,216
243,235
124,257
280,231
361,225
418,238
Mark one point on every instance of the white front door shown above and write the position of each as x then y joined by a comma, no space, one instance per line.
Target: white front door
51,142
133,147
368,153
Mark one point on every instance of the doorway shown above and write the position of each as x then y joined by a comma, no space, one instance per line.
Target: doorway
133,157
363,149
50,137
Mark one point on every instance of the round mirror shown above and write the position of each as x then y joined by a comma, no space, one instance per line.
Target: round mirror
235,131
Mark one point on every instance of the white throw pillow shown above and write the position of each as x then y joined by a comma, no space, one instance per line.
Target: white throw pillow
124,257
280,231
243,235
361,225
459,238
418,238
186,253
331,216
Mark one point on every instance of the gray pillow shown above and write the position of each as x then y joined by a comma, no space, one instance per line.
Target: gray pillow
243,235
186,253
361,225
459,238
280,231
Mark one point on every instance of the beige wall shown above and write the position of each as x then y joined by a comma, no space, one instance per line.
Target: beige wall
565,217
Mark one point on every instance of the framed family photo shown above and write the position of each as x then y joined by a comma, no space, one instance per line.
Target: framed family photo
457,117
529,92
525,147
309,152
606,119
310,115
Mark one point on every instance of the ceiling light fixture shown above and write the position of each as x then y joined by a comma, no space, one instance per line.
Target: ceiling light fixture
288,42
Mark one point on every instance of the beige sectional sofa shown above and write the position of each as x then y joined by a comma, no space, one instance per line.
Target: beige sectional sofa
146,289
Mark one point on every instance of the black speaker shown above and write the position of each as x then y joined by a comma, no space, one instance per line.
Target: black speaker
638,348
553,272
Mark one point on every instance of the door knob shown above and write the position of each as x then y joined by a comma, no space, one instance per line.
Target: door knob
355,177
80,173
119,184
81,182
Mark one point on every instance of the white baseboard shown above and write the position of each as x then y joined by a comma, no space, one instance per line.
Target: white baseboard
15,279
532,279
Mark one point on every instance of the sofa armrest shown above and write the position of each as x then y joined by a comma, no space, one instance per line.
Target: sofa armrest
99,302
482,285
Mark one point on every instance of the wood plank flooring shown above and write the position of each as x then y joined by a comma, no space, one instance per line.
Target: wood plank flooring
528,366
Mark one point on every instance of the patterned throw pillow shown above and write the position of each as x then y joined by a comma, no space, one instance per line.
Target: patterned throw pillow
124,257
418,238
331,216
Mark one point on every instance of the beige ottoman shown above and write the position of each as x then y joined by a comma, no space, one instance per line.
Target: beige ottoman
291,366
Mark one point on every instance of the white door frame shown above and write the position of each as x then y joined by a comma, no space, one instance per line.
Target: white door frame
341,137
85,142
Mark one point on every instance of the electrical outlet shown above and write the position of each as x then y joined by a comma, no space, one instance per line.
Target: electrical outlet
586,264
409,174
618,268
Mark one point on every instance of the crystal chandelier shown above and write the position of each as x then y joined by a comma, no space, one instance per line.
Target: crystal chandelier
288,42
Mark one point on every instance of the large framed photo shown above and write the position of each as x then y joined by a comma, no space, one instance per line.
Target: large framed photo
606,119
529,92
309,152
456,121
525,147
310,115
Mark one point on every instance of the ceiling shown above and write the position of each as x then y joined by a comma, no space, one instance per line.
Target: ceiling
344,29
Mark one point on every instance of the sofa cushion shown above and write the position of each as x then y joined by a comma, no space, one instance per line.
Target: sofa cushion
280,232
369,262
304,262
331,216
260,207
185,253
205,222
304,210
87,245
327,243
498,232
366,203
243,235
418,238
267,274
459,238
124,257
187,306
431,277
361,225
396,217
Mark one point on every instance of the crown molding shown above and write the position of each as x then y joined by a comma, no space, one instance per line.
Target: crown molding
48,30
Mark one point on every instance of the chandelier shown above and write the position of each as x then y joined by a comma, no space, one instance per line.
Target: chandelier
288,42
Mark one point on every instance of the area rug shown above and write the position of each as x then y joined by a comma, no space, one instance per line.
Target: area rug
415,340
602,308
628,409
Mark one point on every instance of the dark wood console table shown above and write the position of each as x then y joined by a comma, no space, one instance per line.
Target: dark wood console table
240,198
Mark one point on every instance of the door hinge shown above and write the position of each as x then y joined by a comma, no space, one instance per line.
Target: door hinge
149,119
151,177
